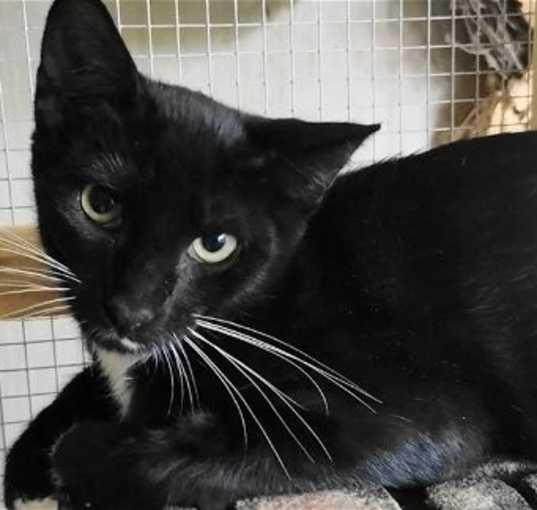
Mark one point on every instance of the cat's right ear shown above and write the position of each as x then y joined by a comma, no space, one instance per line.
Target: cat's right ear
83,62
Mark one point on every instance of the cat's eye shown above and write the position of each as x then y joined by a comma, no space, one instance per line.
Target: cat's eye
100,205
213,248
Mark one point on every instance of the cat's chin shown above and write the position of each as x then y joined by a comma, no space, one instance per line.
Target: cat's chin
130,346
125,345
110,341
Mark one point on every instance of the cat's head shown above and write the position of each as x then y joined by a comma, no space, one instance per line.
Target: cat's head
163,202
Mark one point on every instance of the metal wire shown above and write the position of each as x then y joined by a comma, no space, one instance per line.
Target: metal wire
266,56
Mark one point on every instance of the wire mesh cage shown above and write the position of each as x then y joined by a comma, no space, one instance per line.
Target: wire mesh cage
430,71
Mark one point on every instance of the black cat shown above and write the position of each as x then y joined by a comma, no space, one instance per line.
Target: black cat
231,288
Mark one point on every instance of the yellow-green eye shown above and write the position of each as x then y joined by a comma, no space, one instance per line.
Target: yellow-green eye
100,205
213,248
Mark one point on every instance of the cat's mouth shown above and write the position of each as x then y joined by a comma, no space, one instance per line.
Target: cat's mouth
110,340
143,341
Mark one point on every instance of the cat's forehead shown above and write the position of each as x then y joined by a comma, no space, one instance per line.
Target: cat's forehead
196,116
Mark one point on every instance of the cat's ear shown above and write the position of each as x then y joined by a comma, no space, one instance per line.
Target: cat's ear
308,155
83,61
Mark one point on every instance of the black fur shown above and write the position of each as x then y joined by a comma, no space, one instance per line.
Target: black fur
416,278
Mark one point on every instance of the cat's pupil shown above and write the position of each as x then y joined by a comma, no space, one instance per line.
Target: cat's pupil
214,242
101,200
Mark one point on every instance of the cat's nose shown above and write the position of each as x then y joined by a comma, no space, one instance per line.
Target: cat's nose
128,317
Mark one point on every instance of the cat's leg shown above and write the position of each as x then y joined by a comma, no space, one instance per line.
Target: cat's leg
27,482
202,461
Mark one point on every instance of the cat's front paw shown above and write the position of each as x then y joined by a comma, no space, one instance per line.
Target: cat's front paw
27,478
96,466
80,465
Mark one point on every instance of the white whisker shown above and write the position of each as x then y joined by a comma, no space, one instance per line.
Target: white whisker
33,307
247,372
190,371
232,391
38,274
20,253
338,381
187,374
21,284
55,310
51,269
172,378
64,276
32,289
16,283
154,355
24,244
262,345
320,365
181,371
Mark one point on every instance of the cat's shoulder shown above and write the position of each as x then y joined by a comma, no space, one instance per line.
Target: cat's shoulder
474,157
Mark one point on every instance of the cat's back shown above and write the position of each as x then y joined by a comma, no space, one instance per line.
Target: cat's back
466,190
422,230
430,272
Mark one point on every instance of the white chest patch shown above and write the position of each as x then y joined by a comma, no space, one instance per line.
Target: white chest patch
116,368
37,504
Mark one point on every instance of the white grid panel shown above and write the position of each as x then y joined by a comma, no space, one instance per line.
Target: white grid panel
389,61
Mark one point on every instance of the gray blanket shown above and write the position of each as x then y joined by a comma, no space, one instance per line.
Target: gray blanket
494,486
500,485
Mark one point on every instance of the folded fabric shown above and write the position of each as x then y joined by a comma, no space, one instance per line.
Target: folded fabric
499,485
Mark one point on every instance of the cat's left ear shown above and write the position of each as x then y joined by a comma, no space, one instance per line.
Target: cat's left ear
306,156
84,63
